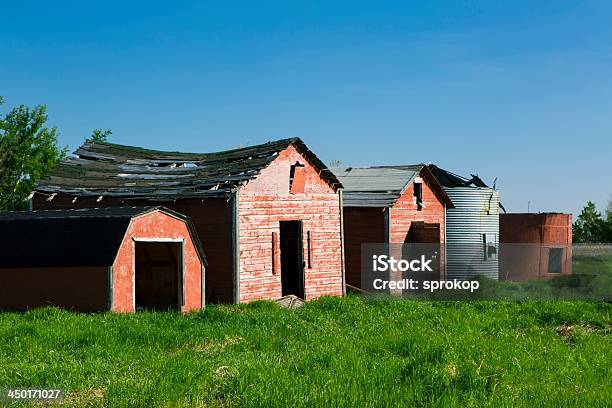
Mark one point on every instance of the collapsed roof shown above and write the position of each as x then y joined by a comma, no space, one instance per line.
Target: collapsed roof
448,179
65,238
381,186
107,169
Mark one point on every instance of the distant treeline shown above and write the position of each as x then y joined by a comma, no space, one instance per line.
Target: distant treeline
593,227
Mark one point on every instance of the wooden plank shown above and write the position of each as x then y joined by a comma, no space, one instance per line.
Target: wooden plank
236,247
340,198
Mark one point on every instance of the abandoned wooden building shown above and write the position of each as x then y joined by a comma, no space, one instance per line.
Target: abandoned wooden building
535,245
269,216
90,260
391,204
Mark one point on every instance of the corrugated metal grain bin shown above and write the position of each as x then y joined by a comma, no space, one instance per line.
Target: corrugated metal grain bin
91,260
472,226
472,233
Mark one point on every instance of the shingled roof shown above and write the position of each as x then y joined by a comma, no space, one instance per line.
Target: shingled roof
101,168
381,186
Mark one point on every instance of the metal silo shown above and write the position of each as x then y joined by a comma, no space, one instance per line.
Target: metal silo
472,233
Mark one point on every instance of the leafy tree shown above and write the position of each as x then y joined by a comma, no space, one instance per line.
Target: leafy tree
28,150
99,135
590,226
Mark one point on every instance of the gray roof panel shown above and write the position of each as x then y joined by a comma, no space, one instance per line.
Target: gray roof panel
375,186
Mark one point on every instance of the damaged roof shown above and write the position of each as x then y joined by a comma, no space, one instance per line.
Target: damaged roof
107,169
65,238
448,179
381,186
451,180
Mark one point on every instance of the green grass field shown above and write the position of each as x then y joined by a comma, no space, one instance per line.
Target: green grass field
332,352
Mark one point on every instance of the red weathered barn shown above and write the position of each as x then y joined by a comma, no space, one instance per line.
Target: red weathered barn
269,215
391,204
535,246
119,259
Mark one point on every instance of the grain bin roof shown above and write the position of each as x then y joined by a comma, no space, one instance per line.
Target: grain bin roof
116,170
83,237
449,179
381,186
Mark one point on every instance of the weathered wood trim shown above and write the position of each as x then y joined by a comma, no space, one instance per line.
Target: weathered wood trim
133,275
302,262
110,294
309,249
145,239
443,277
236,246
275,253
203,287
387,214
340,198
183,288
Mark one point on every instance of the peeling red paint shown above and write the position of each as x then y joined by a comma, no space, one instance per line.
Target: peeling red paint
364,225
266,201
526,241
162,226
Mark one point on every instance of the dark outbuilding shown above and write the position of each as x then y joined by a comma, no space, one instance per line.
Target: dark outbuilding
119,259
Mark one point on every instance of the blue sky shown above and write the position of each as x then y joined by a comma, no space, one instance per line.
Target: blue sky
518,90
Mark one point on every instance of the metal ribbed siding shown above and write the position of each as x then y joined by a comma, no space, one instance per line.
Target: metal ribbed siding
476,213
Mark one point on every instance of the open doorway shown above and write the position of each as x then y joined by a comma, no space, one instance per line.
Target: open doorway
292,264
158,275
424,240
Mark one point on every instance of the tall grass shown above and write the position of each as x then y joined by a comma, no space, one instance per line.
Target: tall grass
332,352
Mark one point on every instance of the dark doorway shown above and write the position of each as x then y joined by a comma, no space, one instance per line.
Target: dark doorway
292,264
158,280
424,239
424,233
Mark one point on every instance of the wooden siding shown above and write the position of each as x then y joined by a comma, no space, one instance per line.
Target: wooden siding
266,201
361,225
368,225
82,289
213,221
404,212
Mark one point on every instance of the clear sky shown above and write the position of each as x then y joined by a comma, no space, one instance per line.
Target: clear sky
518,90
